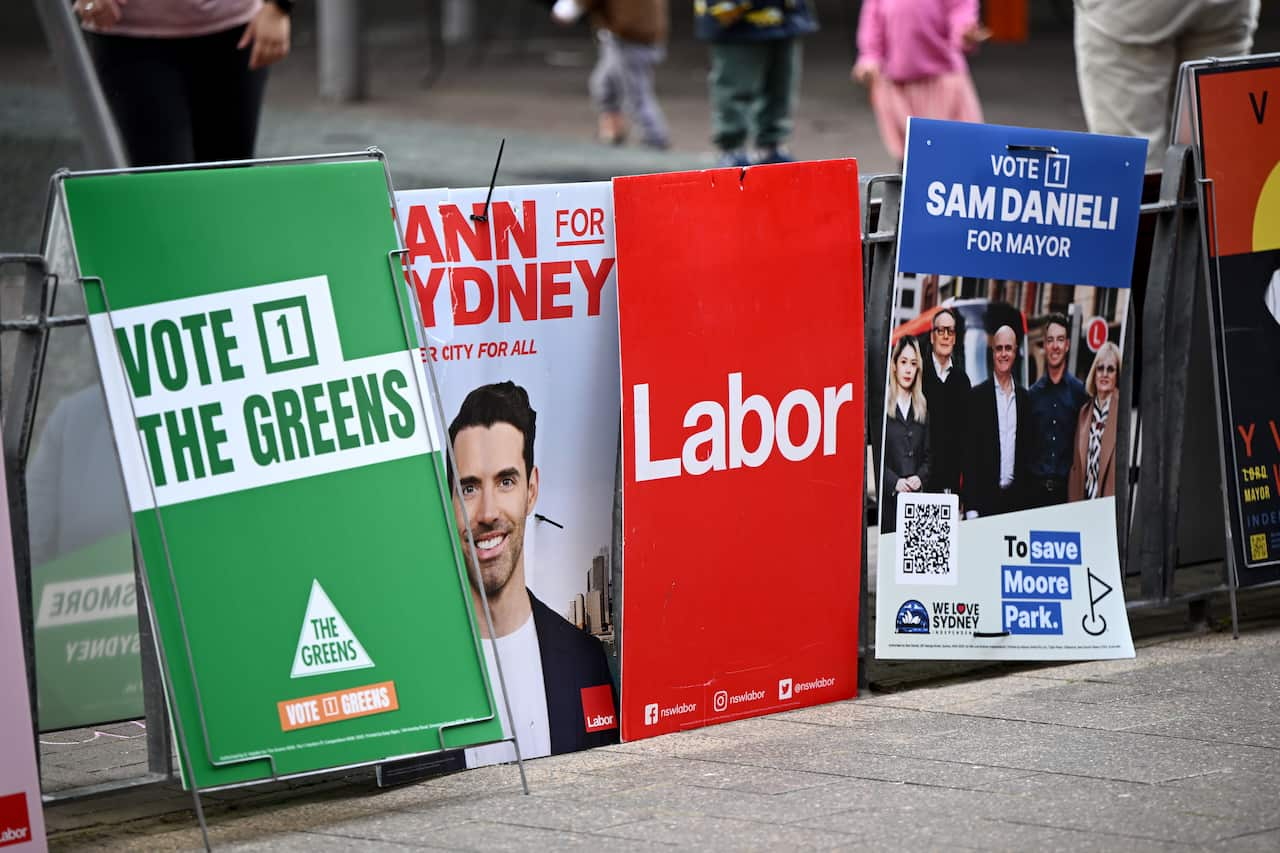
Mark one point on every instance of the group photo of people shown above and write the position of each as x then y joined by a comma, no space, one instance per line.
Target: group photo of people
994,393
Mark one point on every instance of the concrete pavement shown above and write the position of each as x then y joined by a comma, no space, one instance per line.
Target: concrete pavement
1178,749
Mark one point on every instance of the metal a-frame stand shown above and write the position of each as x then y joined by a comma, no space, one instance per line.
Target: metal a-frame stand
40,287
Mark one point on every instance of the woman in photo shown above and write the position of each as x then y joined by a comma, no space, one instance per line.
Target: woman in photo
1093,468
906,431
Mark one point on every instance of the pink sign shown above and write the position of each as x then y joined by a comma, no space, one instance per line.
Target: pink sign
21,815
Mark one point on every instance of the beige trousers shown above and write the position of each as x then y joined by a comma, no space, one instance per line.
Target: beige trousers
1128,53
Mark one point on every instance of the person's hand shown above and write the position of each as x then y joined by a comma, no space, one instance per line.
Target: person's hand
865,73
913,483
268,33
901,485
975,36
99,15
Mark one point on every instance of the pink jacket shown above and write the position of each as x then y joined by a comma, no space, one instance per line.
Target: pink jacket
913,39
182,18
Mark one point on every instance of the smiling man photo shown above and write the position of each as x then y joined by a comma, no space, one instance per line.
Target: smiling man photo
557,676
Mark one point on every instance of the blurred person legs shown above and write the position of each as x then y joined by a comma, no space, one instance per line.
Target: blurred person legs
1128,53
753,88
947,96
605,86
623,80
639,98
781,90
181,100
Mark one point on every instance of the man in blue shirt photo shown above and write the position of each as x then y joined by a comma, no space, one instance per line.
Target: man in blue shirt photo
1055,401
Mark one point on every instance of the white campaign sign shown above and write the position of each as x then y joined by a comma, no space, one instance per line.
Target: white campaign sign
534,303
243,388
526,291
1041,584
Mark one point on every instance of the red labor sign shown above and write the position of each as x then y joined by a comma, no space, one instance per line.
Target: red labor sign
1096,335
742,366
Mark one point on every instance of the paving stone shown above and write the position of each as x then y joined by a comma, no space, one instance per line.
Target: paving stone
852,763
583,762
402,827
1031,707
725,833
852,714
1202,809
585,814
572,785
956,738
695,742
481,835
757,780
1247,799
1267,841
1148,811
958,691
99,761
120,802
1217,704
61,822
679,799
921,826
314,816
1092,692
314,842
1204,727
907,827
997,835
1124,755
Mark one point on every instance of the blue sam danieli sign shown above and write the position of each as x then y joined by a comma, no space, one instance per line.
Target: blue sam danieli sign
990,201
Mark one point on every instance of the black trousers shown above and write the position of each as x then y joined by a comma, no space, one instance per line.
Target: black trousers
1042,491
181,100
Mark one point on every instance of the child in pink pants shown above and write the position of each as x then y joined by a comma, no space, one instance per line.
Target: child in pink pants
911,53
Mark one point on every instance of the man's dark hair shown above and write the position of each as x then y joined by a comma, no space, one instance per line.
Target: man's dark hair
1060,319
951,312
501,402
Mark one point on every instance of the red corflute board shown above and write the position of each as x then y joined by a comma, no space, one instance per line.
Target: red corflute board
740,322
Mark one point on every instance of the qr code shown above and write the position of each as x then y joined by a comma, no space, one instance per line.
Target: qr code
1258,546
927,538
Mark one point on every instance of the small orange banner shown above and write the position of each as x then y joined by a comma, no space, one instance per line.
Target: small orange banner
337,706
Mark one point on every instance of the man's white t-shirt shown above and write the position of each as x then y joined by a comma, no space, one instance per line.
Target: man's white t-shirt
522,669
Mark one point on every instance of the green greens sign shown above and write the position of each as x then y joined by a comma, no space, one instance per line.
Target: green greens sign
282,466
